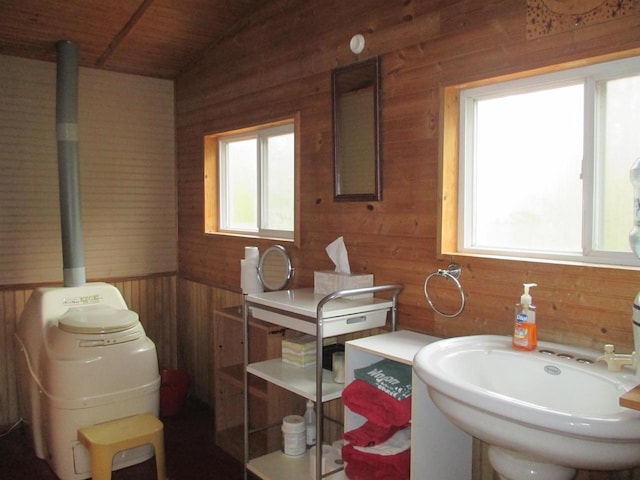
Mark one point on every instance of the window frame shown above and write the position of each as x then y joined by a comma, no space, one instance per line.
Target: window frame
451,182
213,223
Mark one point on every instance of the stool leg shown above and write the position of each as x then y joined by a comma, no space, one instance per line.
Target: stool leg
101,462
158,446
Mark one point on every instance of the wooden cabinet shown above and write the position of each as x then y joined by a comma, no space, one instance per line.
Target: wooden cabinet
269,403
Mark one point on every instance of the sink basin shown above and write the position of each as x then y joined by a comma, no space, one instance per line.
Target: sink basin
544,413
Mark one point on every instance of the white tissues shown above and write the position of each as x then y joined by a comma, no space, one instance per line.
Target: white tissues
338,254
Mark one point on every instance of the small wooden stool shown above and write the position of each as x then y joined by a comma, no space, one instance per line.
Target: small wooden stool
104,440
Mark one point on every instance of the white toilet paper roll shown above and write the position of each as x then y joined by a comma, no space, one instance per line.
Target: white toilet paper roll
312,459
251,253
331,460
249,281
337,446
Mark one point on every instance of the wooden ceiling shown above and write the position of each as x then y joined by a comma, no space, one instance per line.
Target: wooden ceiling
157,38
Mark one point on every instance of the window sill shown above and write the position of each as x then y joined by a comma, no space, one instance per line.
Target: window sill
460,257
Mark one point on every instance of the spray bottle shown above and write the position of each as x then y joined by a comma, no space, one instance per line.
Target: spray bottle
524,333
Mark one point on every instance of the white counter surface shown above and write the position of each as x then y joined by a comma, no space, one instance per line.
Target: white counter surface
304,302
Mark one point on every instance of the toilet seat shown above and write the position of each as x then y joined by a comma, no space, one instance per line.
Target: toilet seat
97,319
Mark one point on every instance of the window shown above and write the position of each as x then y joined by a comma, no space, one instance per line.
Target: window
254,193
543,165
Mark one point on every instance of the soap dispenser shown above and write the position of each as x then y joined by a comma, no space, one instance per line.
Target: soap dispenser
524,333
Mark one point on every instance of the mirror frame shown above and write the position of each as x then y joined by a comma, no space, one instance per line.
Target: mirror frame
272,251
340,76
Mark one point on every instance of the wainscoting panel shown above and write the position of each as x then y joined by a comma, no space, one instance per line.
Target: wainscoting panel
197,303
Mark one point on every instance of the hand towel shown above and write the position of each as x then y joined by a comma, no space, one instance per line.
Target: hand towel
399,442
365,466
389,376
376,405
370,434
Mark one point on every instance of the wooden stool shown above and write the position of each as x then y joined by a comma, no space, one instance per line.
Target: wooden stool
104,440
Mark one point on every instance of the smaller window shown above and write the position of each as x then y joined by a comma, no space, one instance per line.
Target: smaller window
250,181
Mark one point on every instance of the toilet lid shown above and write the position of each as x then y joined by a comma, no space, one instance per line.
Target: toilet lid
97,319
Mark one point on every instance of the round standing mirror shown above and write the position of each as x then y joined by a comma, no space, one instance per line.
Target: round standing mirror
274,268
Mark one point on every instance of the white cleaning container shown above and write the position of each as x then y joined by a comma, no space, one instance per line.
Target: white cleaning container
293,436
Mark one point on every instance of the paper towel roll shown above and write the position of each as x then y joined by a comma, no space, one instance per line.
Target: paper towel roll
249,280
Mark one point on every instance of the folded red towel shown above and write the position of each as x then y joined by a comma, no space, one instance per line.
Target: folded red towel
371,434
375,405
364,466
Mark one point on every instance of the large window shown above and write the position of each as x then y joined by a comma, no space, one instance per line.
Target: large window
544,164
255,189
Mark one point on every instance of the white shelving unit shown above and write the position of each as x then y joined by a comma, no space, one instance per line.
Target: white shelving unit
322,316
439,449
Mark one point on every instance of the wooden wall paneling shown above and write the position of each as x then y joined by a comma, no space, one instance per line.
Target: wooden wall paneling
8,385
197,303
424,47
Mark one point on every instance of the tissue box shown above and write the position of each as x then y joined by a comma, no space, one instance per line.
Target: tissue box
299,351
329,282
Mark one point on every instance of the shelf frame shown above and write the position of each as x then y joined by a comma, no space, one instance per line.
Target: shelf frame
289,310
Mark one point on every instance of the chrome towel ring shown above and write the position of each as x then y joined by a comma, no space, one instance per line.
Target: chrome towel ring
453,272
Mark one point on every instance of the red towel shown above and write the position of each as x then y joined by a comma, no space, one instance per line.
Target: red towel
371,434
364,466
375,405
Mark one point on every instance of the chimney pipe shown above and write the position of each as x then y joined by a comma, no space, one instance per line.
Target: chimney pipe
68,169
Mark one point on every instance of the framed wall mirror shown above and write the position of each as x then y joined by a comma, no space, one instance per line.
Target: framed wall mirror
356,131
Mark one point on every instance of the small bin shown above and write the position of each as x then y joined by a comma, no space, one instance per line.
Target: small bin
174,385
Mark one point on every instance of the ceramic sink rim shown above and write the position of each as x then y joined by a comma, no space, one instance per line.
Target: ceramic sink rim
434,366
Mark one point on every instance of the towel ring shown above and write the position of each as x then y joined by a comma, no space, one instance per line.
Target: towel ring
453,272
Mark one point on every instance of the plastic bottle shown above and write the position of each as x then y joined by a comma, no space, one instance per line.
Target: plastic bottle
310,423
634,236
525,336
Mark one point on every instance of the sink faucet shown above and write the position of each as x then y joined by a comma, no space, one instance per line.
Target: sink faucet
615,361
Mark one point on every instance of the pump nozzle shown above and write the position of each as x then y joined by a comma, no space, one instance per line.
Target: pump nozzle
525,299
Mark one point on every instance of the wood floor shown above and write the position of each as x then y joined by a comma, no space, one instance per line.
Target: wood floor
189,443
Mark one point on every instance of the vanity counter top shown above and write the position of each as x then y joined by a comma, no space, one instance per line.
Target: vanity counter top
631,399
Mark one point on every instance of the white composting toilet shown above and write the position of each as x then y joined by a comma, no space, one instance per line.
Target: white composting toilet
83,358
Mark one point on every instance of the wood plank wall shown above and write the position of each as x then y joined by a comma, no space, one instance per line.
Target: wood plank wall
196,307
281,64
153,297
260,74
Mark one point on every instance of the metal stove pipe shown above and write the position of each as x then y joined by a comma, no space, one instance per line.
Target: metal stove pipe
68,167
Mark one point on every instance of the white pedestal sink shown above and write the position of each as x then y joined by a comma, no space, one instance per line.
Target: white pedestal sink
544,413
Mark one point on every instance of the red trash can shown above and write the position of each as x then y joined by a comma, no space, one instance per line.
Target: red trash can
174,385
